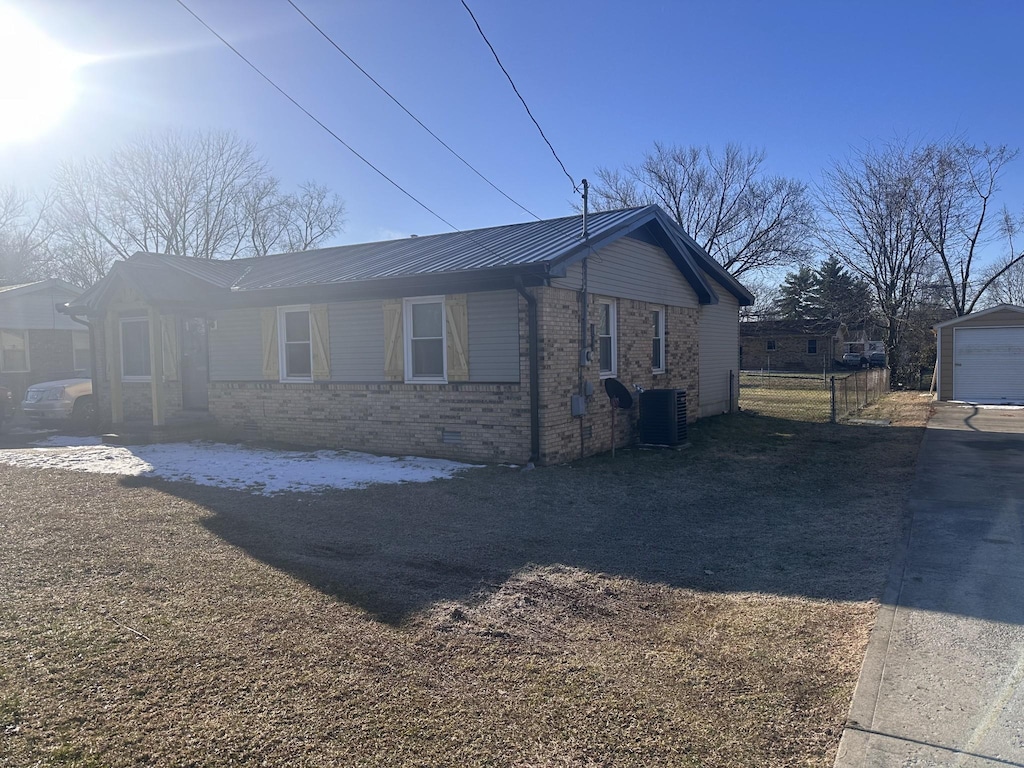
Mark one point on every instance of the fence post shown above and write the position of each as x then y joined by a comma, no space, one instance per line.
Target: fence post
732,397
832,391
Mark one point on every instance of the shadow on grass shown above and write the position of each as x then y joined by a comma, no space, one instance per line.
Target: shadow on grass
755,504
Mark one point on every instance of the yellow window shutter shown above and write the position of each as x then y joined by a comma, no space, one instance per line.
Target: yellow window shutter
320,336
457,316
394,351
271,357
169,327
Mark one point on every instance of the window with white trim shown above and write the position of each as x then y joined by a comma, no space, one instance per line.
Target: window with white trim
658,341
81,360
13,352
135,349
295,343
425,339
606,342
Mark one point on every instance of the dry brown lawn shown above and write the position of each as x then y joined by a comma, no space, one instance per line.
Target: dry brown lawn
707,607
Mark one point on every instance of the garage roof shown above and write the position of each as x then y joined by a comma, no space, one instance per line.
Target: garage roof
976,315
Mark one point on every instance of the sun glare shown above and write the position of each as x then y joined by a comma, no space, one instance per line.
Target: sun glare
37,79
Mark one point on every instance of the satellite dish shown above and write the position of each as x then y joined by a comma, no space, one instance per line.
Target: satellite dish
618,393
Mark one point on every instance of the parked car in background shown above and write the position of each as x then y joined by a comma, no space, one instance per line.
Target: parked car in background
6,405
876,359
61,400
855,360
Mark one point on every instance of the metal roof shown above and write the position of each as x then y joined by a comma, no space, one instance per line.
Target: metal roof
545,245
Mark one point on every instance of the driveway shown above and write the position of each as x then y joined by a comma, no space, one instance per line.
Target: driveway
943,680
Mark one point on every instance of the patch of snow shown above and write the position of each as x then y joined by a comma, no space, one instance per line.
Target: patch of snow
237,467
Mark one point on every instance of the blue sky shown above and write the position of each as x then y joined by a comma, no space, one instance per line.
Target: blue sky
807,81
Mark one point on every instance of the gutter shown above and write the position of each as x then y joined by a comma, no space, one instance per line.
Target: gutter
531,312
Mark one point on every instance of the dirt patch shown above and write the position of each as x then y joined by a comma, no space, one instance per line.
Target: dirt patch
703,607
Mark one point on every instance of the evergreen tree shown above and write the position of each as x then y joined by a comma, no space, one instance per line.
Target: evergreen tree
824,298
797,293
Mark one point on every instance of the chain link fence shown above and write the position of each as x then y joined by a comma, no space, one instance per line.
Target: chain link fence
811,397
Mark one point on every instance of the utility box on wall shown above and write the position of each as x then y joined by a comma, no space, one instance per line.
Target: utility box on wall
663,416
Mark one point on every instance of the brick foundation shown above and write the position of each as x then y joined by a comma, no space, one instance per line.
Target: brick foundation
472,422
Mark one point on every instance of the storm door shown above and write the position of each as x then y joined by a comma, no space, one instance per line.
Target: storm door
195,365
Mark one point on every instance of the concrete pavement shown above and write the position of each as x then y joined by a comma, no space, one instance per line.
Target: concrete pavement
943,679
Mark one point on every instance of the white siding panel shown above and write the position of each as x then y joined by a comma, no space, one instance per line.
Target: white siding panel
719,352
493,336
37,311
236,346
631,269
357,341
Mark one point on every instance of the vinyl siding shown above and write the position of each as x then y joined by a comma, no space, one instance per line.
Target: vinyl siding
37,311
1000,318
357,341
631,269
719,352
236,346
493,337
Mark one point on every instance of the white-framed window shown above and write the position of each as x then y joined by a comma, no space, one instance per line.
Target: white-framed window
13,351
606,342
135,349
81,360
426,355
295,343
812,346
658,340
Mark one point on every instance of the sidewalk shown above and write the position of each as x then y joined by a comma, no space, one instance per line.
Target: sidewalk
943,679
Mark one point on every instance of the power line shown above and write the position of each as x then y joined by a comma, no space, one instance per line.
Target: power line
316,120
525,105
410,114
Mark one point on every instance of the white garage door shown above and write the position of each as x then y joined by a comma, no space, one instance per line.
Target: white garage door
988,365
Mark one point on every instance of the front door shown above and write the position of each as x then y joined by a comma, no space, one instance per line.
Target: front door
195,365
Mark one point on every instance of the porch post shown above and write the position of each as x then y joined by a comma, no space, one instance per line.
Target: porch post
156,366
112,341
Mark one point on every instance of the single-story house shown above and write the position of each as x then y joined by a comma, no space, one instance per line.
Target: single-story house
980,356
38,343
785,346
491,344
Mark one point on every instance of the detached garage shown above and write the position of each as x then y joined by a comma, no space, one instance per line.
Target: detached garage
981,356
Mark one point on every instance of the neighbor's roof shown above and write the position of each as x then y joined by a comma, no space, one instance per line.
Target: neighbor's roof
539,248
8,291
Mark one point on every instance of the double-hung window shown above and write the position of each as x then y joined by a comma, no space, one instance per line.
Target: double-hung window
606,343
295,341
425,340
135,349
13,352
658,341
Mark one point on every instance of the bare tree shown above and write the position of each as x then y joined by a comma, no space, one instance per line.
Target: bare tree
312,215
958,181
23,235
205,195
874,230
745,219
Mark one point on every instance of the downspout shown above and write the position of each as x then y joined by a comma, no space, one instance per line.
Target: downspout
531,315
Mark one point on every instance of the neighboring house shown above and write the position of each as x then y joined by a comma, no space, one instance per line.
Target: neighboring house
980,356
38,343
774,345
468,345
